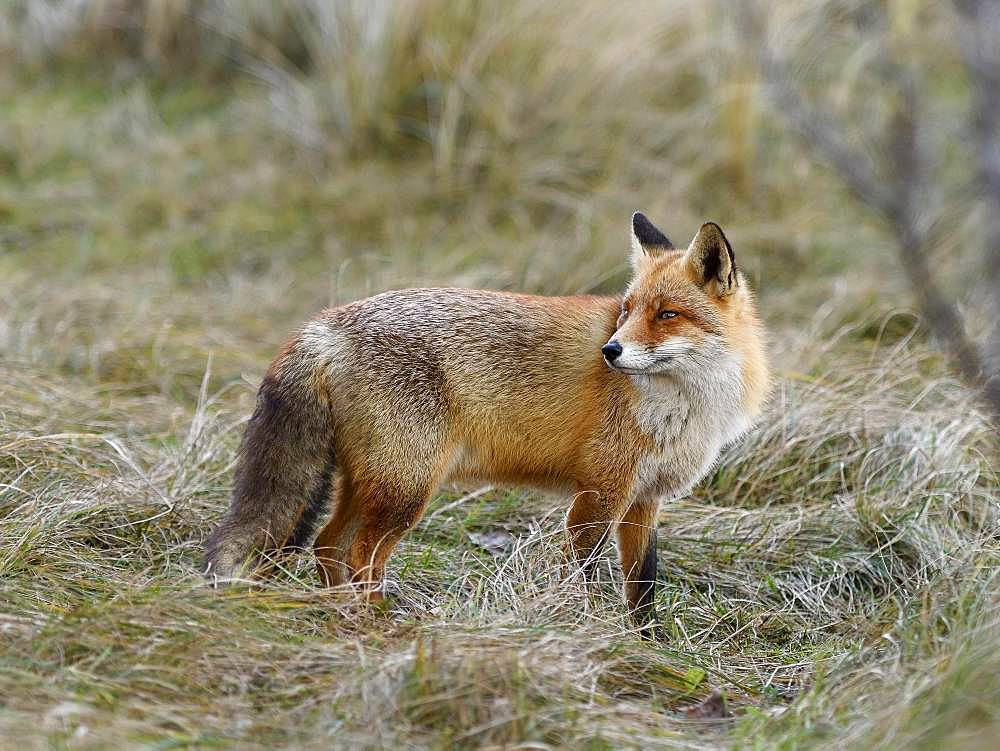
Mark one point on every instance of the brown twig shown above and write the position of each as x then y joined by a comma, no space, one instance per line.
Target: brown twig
896,198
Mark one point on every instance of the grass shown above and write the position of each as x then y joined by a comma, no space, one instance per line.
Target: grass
175,197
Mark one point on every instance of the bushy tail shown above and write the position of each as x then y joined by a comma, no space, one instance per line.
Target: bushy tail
283,474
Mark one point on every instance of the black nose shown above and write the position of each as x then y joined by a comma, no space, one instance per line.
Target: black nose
611,350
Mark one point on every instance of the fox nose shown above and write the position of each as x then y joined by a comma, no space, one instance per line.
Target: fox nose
611,350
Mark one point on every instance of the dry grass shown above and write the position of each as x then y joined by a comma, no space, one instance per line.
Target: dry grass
176,195
850,546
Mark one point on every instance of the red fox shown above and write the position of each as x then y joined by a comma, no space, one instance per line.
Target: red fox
619,400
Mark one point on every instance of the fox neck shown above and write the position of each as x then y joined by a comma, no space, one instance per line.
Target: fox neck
689,418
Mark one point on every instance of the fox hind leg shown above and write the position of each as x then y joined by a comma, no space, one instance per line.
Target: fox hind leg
334,540
386,516
388,492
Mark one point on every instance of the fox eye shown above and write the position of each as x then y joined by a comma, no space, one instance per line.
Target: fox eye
664,314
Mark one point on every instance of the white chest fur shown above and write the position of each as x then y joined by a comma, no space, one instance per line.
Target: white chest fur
690,418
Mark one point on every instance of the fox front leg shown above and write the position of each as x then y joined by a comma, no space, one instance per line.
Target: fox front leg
589,524
637,549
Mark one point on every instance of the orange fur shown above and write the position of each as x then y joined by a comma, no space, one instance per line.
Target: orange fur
376,403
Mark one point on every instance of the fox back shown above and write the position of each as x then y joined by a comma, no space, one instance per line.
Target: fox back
620,401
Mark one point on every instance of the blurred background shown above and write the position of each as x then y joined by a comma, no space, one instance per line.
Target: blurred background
183,182
205,173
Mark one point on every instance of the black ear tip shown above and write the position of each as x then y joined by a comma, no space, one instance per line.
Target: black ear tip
641,226
714,233
714,244
647,233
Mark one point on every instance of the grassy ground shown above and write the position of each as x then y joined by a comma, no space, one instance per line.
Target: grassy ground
174,199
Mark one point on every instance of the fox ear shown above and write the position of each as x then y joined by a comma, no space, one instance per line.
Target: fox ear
711,262
647,240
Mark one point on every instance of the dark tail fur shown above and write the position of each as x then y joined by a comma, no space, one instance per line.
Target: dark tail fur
283,474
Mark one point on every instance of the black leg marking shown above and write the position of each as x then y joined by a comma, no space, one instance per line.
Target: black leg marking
646,590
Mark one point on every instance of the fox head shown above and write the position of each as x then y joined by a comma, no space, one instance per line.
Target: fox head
679,307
